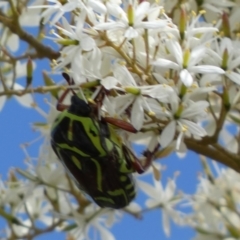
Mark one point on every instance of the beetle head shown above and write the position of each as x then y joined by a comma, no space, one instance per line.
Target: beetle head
79,106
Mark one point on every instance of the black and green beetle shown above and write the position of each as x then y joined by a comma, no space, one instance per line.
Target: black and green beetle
93,154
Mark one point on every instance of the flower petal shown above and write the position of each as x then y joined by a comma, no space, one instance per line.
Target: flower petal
109,82
167,134
25,100
235,77
137,114
164,63
186,78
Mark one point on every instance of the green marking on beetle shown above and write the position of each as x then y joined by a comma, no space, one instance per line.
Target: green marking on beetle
133,193
129,186
74,149
114,137
117,193
70,131
109,144
104,199
91,129
123,178
123,167
77,162
99,174
59,119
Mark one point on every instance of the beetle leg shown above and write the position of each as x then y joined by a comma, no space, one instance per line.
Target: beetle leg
121,124
149,157
137,164
68,79
60,106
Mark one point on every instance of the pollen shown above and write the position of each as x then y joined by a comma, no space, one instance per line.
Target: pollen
221,34
167,75
214,22
164,109
184,128
122,63
208,45
53,63
64,55
90,100
202,12
194,85
151,114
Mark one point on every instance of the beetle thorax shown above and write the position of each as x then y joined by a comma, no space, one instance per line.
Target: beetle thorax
79,106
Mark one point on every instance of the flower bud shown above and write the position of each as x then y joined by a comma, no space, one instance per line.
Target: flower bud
226,25
130,14
29,72
49,82
132,90
182,23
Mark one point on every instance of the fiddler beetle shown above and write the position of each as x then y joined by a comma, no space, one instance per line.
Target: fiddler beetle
92,152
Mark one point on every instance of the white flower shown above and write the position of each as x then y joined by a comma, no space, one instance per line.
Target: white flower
73,53
186,62
138,101
56,9
21,231
38,208
216,204
13,192
185,122
130,29
93,218
218,6
224,53
166,199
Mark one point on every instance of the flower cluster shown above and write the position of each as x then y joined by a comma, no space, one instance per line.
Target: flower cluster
161,76
216,206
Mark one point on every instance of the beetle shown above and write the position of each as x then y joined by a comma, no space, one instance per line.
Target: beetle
93,154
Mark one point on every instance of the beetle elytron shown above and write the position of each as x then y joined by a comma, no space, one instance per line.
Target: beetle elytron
93,154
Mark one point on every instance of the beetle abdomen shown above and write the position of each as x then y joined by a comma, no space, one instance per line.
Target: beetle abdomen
98,177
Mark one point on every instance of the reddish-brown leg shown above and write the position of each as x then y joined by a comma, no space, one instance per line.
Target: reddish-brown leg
121,124
138,166
60,106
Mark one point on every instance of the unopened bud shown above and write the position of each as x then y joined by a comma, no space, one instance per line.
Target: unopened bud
29,72
49,82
